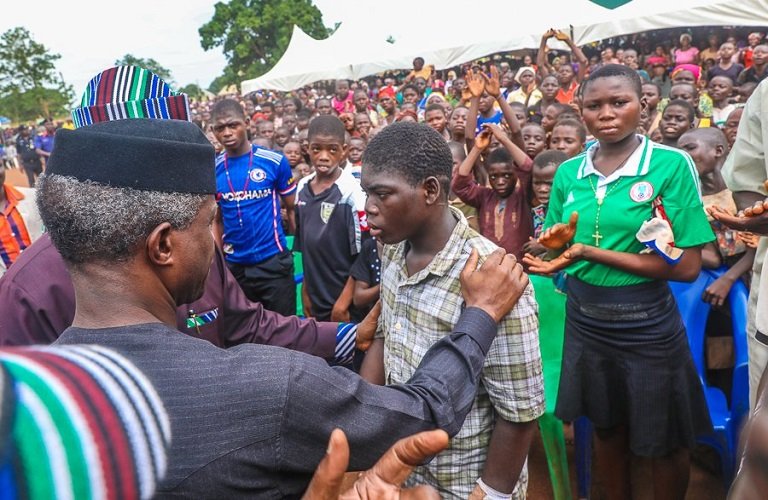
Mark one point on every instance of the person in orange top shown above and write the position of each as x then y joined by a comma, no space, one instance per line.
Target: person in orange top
567,78
20,222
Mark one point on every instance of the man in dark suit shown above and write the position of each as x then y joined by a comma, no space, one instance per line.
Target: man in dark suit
129,206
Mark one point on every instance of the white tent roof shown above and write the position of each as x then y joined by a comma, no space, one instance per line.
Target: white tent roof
360,48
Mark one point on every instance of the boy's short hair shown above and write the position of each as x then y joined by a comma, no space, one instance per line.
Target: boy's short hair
533,125
328,125
268,104
321,99
355,138
711,135
653,84
615,70
303,114
578,125
409,86
549,157
415,151
560,107
689,109
499,155
227,106
434,107
517,104
457,107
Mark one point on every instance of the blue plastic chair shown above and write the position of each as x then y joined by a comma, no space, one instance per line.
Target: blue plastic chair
726,419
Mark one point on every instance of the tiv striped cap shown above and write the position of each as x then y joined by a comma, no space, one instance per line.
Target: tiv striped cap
129,92
78,422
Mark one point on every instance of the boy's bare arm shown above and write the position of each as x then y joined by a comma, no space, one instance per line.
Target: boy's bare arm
365,294
340,311
373,365
289,203
507,451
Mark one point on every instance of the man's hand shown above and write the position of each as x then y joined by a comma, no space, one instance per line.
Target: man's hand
384,479
754,219
483,139
339,315
492,84
559,235
537,265
533,247
475,83
480,287
366,329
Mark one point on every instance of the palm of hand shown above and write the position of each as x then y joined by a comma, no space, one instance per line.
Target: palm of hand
557,237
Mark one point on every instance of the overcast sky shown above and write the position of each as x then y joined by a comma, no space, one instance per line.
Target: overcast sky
91,35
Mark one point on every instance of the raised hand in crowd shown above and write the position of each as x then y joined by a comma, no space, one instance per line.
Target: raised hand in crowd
383,481
475,83
753,219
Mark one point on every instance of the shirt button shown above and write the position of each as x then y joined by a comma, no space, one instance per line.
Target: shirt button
398,327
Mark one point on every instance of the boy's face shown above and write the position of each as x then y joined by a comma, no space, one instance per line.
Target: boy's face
720,88
355,150
685,92
760,55
436,120
753,39
289,107
395,209
703,154
651,95
302,123
361,101
410,95
732,126
323,107
565,74
281,137
726,52
566,139
268,112
279,108
387,103
534,140
486,103
231,131
267,130
292,152
542,182
303,170
519,113
550,118
342,89
502,178
349,121
549,87
418,64
458,120
326,153
421,84
674,122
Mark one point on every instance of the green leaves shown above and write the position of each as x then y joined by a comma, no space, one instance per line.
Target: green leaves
30,86
255,33
150,64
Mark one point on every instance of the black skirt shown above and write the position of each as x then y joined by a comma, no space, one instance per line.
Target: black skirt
626,361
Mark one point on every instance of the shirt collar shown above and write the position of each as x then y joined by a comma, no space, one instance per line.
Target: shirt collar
637,164
445,259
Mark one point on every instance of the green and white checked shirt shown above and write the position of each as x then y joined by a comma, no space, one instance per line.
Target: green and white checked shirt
417,311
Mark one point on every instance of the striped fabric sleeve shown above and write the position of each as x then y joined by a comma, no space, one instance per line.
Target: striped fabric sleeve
86,424
346,334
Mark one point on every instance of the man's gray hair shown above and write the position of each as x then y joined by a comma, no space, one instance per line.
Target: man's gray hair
90,222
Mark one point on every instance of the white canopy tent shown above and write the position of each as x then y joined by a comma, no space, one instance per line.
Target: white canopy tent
360,47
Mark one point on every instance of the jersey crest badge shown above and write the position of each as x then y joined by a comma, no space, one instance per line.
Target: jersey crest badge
258,175
641,192
326,209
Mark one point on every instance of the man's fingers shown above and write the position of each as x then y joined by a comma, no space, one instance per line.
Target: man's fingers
757,209
496,258
471,265
398,462
326,483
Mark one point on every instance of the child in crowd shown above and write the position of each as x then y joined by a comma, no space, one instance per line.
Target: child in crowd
458,155
289,122
343,101
434,116
518,108
366,276
355,150
302,120
652,115
720,89
678,118
568,136
292,152
551,115
363,105
708,148
544,167
363,125
457,123
406,175
503,210
549,87
534,139
303,170
267,131
281,138
731,126
323,106
330,221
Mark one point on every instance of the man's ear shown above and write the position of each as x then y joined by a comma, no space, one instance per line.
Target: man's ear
160,245
433,190
719,151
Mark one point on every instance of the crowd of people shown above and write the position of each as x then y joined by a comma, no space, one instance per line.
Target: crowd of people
612,168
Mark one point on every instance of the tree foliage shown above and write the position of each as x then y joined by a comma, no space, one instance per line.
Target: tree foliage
150,64
30,86
193,90
255,33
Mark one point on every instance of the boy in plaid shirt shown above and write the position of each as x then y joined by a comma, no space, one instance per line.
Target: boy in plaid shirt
406,175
